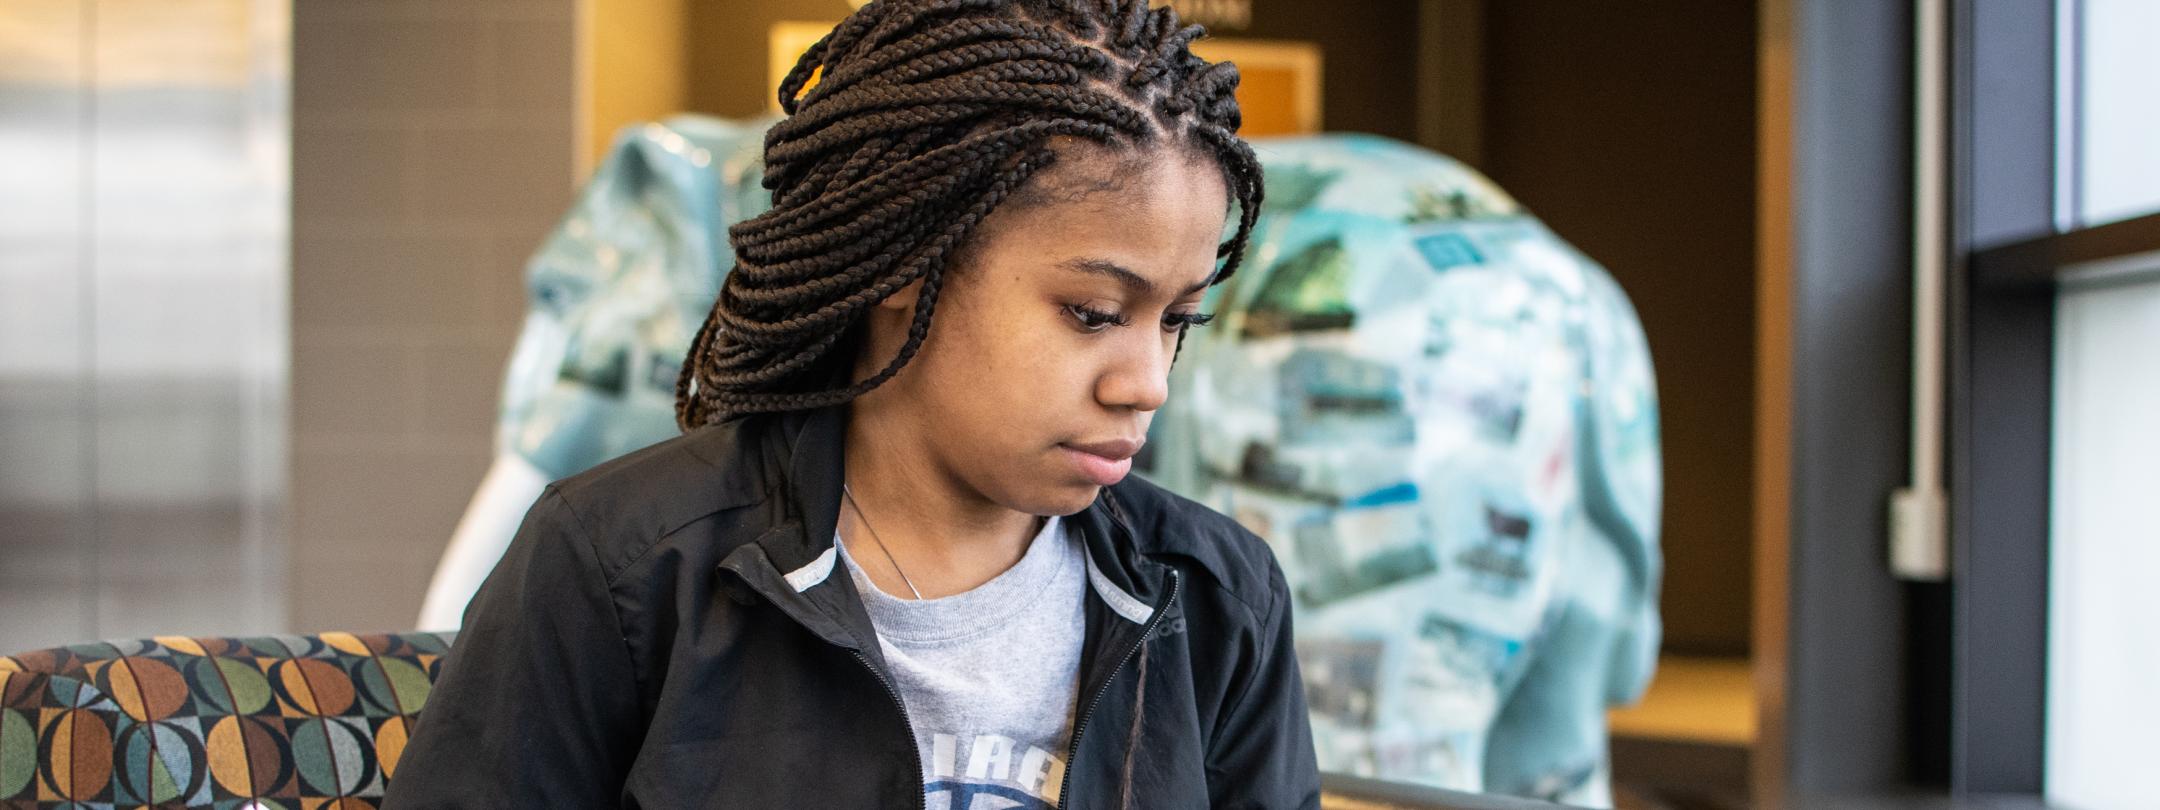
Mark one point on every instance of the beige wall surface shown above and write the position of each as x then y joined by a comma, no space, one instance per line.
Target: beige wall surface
433,146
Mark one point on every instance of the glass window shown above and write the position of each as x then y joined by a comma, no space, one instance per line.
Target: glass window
2104,647
2111,123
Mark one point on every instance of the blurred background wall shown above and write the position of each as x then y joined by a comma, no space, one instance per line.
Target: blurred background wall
433,145
1630,130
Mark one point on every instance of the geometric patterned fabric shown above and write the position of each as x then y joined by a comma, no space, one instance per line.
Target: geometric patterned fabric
287,722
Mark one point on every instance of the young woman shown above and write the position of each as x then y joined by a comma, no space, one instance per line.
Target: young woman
895,560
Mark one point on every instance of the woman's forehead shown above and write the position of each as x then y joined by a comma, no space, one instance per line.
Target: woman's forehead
1162,223
1127,182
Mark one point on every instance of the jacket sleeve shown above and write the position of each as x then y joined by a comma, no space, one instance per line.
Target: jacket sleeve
1263,754
537,703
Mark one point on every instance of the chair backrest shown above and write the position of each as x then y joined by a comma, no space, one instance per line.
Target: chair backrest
284,721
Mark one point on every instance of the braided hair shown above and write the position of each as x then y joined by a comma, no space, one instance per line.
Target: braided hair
926,116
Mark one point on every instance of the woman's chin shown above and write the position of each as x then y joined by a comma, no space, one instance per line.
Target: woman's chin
1056,498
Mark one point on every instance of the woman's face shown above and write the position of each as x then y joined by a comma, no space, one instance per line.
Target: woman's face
1050,349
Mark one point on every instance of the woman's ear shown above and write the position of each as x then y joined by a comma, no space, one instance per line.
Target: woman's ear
884,328
903,299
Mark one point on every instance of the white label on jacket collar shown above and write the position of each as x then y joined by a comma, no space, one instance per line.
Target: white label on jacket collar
1120,602
802,578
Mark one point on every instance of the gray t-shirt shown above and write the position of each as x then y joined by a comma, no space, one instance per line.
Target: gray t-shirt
990,676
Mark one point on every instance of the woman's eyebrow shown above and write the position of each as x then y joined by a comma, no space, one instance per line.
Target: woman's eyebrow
1135,282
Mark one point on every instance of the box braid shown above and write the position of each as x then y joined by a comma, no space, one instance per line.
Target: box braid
928,115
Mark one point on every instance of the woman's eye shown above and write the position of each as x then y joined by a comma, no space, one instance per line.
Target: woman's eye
1092,319
1181,321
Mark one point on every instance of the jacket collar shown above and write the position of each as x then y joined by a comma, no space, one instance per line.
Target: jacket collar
793,560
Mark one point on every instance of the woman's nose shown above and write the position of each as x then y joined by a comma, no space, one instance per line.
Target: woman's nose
1140,380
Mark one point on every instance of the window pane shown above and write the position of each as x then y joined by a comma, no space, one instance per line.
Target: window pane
2104,647
2116,54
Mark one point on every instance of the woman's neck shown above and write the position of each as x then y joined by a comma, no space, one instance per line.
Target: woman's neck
943,533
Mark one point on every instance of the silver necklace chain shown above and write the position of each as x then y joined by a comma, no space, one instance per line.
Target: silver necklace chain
880,543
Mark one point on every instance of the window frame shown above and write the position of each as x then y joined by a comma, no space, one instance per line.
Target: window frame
2011,150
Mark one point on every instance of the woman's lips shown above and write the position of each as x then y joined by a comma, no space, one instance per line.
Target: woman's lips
1103,463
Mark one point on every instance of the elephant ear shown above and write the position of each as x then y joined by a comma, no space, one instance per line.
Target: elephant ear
1623,473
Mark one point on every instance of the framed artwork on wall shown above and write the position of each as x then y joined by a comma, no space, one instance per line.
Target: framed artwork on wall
1278,83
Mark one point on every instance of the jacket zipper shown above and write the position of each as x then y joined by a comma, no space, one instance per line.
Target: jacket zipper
1080,723
922,797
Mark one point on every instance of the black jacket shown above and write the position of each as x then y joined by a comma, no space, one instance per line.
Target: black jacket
665,632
